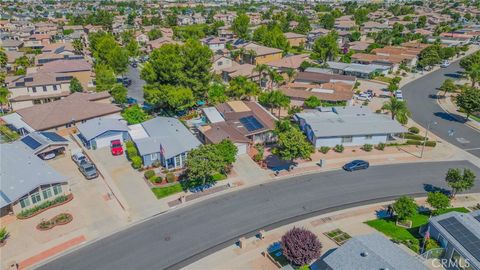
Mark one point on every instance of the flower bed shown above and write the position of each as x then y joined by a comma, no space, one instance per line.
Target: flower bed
24,214
60,219
338,236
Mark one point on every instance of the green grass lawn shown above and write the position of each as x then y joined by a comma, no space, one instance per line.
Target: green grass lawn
162,192
474,117
388,227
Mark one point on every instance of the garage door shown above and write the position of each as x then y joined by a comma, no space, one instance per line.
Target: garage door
242,148
105,141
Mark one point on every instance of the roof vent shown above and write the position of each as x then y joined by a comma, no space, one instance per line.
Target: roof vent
364,254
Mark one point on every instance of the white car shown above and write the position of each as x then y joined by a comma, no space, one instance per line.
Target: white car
364,96
399,95
445,64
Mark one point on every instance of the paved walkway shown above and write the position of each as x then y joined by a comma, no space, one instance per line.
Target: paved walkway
350,221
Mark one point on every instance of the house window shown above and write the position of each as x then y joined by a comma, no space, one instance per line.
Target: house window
368,137
153,156
347,139
36,197
54,88
44,88
177,161
25,202
47,193
57,189
220,63
34,89
68,125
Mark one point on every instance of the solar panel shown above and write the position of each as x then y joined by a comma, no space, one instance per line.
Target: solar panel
30,142
251,123
53,136
464,236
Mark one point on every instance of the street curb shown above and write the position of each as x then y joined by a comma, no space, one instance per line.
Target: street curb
459,118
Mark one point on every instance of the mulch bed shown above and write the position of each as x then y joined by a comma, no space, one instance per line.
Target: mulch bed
54,222
70,197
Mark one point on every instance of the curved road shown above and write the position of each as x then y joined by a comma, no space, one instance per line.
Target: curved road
180,237
421,100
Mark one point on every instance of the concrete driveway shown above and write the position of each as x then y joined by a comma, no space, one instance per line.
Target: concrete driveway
140,200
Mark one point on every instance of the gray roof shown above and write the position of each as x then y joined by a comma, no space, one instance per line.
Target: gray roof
97,126
371,251
37,141
354,67
168,132
471,222
22,171
16,120
349,121
213,115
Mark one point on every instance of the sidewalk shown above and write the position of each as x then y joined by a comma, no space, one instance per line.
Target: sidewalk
350,221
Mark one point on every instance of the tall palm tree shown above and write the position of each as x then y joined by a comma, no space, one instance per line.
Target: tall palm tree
291,74
474,74
398,109
261,69
275,77
251,55
4,94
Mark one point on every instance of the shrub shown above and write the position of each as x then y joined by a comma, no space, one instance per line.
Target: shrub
3,234
218,177
367,147
380,146
417,142
413,130
431,143
324,149
405,208
431,244
46,204
132,152
136,162
149,174
300,246
339,148
413,244
412,136
170,177
129,144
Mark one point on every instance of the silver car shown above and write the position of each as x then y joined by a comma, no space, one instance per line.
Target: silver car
88,170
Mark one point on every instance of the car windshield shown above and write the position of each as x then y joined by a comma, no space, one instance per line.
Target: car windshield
90,169
116,145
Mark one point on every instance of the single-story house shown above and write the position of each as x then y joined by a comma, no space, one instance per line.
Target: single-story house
243,122
338,92
370,251
459,234
63,114
314,75
164,140
99,132
45,144
349,126
357,70
27,181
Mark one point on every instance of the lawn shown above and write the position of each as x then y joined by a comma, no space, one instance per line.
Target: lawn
162,192
383,79
388,227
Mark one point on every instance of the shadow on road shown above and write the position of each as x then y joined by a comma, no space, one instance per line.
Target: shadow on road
432,188
450,117
454,75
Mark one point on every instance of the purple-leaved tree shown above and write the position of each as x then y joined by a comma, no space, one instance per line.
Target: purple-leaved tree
300,246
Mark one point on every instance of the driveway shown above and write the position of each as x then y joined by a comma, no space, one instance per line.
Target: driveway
140,200
422,102
178,238
135,90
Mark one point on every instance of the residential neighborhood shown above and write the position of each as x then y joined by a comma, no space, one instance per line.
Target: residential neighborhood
240,134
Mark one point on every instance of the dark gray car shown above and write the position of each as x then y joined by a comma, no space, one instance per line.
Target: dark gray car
88,170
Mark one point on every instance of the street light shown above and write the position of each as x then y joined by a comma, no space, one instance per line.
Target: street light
426,136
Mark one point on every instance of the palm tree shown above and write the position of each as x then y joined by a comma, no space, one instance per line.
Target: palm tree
261,69
78,46
290,73
4,94
398,109
275,77
251,55
448,86
474,74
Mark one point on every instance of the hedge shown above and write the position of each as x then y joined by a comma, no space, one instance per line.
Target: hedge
410,136
427,143
136,162
31,211
367,147
414,130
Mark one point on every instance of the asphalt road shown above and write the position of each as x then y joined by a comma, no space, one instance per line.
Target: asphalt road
135,90
180,237
421,99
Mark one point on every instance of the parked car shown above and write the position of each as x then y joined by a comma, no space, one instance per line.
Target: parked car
445,63
131,101
126,82
78,157
88,170
356,165
116,147
134,64
364,96
399,94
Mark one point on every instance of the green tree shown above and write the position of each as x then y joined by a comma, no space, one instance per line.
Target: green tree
132,48
405,208
3,58
75,85
398,109
312,102
271,36
77,46
469,101
274,100
119,93
355,36
216,94
240,25
326,47
438,200
292,143
303,26
241,87
262,70
448,86
474,73
104,78
117,59
327,21
154,34
422,21
361,16
459,180
179,98
134,115
4,94
468,61
275,77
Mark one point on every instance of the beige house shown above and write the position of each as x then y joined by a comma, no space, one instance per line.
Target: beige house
80,69
295,39
37,88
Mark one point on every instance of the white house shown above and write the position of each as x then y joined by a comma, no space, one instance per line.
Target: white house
349,126
99,132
